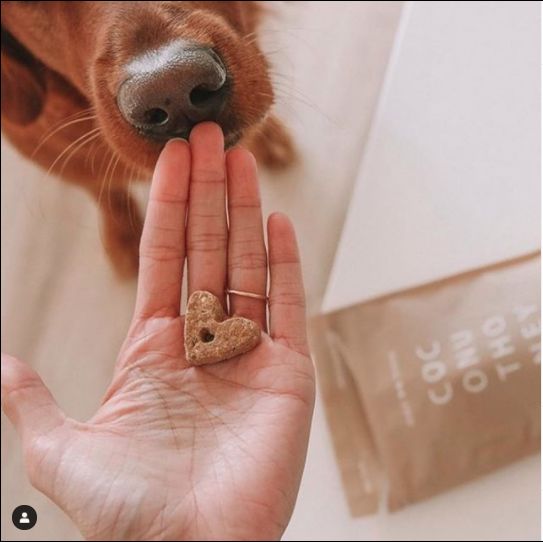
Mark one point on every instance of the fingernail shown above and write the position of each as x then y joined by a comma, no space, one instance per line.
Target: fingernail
185,140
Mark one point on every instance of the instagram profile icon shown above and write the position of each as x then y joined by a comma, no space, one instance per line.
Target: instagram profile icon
24,517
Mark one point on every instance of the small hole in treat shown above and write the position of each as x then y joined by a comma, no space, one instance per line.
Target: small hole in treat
206,336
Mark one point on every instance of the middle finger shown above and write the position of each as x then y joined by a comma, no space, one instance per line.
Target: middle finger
207,232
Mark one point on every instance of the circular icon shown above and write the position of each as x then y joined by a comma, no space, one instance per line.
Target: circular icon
24,517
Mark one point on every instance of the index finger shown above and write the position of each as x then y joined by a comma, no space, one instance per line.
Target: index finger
162,247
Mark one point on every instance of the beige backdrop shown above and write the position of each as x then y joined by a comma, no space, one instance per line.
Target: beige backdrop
65,313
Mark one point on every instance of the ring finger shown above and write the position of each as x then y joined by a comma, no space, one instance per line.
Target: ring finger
247,259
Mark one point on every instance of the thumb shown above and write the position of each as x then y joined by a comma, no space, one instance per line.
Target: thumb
26,400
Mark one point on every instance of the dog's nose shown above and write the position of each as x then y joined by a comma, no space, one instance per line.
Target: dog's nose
169,90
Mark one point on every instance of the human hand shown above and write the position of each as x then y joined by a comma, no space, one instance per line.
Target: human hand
177,452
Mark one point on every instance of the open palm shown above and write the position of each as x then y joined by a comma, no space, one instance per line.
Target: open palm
178,452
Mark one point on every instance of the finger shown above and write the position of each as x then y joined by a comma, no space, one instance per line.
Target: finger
207,231
26,401
247,259
162,247
287,300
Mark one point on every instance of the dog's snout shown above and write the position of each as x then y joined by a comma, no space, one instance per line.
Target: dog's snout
169,90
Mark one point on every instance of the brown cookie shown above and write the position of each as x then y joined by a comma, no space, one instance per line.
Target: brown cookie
210,336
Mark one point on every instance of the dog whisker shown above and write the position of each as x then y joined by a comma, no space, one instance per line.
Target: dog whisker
92,137
77,114
131,205
110,181
91,148
93,159
105,183
67,149
62,127
102,182
128,198
290,94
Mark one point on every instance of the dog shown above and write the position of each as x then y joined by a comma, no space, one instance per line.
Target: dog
92,91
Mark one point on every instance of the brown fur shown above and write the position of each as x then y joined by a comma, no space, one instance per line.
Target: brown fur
61,67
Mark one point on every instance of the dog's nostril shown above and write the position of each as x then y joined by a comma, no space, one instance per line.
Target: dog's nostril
155,116
201,95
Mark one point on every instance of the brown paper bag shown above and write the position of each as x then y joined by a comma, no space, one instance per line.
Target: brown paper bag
433,386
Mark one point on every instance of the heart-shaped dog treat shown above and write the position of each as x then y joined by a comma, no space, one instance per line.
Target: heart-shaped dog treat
210,336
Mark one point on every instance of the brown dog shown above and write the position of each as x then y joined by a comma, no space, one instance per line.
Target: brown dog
92,90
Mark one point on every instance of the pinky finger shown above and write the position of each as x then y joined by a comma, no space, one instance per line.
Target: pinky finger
287,299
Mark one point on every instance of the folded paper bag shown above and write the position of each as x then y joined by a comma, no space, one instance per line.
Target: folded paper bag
435,385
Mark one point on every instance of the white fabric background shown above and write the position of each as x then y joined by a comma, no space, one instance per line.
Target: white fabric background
450,180
64,312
